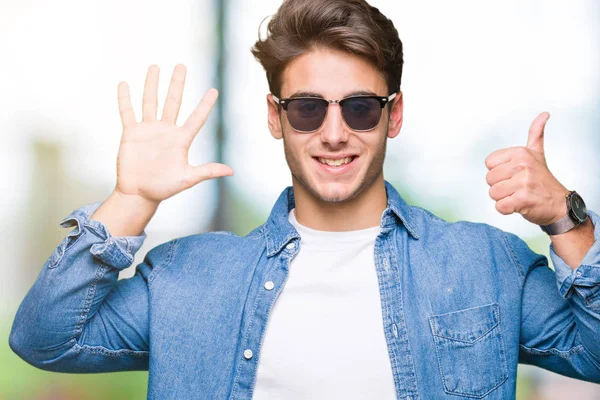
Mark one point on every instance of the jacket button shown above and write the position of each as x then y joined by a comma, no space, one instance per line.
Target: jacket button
290,246
248,354
269,285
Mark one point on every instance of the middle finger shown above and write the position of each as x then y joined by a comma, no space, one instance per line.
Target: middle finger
502,172
174,95
150,99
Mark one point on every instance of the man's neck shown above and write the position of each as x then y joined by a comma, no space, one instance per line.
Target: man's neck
362,212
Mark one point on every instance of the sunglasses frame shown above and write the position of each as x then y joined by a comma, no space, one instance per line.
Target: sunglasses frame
383,100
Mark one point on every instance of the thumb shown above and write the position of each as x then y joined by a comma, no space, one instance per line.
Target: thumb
199,173
535,141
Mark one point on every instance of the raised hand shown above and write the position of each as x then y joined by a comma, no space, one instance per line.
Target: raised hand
521,181
152,162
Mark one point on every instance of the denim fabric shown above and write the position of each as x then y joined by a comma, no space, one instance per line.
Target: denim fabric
462,304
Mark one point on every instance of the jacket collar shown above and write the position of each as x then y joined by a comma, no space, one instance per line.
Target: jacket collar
279,232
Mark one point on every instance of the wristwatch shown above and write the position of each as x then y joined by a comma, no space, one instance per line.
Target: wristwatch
576,215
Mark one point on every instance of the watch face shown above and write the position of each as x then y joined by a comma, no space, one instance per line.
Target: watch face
578,207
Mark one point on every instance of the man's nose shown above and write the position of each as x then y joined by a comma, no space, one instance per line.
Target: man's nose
334,130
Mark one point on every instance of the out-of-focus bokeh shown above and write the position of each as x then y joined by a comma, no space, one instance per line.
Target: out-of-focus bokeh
476,74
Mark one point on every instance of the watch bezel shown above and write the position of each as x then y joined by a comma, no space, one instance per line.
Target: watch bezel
577,207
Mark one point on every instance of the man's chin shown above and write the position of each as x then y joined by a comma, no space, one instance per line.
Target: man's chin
328,192
335,192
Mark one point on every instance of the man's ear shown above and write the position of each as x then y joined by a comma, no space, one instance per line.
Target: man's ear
397,109
274,121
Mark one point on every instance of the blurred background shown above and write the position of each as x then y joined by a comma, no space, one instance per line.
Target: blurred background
476,75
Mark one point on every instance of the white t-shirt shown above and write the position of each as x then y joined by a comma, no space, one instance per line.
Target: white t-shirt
325,338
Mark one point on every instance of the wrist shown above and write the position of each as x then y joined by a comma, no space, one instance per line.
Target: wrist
125,215
562,209
133,201
572,214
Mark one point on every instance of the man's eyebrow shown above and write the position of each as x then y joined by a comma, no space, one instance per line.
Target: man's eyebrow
306,94
361,93
314,94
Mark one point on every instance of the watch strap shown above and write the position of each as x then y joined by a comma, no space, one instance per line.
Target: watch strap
563,225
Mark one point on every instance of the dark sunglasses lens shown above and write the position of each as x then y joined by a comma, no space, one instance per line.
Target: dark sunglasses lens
306,115
361,114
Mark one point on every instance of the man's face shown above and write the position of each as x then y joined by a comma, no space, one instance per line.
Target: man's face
334,75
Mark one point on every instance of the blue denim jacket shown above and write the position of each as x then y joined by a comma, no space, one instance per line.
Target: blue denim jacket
462,304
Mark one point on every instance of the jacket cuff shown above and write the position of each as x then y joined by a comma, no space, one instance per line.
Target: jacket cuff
117,252
585,278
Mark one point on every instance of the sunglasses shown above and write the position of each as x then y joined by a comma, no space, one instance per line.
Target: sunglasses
360,113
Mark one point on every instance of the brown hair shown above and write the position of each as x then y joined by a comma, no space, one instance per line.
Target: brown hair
352,26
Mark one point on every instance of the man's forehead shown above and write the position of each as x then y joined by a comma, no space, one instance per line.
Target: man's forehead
327,73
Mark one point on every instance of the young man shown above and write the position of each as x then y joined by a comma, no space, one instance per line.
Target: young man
346,291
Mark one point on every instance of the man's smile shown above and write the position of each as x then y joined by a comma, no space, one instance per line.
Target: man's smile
337,165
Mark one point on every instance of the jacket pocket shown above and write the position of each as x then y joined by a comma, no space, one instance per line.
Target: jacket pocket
470,350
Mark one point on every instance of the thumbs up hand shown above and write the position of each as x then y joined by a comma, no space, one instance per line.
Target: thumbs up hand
520,180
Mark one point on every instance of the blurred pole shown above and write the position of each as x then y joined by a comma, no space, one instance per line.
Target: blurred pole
221,220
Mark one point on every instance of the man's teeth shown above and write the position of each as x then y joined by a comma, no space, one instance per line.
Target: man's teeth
335,163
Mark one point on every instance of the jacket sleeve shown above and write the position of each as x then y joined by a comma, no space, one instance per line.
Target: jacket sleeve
560,310
78,317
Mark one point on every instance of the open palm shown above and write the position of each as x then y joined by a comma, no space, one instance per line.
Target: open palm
153,154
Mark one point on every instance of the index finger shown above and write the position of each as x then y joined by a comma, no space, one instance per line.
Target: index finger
498,157
200,114
125,108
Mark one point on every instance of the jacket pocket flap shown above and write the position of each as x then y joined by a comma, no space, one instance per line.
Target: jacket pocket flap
466,325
